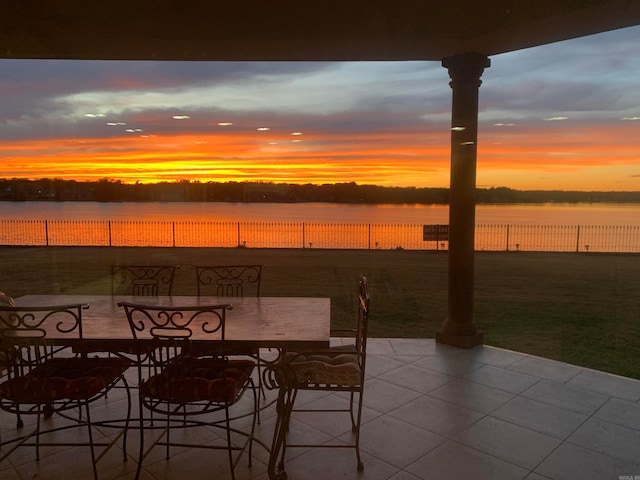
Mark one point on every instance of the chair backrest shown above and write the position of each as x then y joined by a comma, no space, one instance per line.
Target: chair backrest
229,280
175,323
24,332
142,280
363,317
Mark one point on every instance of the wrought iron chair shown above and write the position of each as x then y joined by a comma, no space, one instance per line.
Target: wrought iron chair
43,376
142,280
339,369
179,386
232,281
229,280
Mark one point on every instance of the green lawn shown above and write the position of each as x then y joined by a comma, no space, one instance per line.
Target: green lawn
581,308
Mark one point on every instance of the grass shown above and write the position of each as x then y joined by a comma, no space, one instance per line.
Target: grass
580,308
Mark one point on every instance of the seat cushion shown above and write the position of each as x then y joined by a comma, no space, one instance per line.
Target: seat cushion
191,379
64,379
338,367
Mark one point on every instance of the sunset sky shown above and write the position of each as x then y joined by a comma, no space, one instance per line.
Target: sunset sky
564,116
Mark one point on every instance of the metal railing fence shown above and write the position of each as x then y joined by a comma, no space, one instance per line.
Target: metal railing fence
555,238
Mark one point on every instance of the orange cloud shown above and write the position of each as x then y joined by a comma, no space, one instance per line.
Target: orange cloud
517,157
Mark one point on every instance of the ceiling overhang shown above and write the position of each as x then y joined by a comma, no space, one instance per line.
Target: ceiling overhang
297,30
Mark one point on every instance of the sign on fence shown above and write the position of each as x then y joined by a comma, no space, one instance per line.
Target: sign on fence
437,233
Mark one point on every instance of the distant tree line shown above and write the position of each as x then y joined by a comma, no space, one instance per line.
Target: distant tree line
108,190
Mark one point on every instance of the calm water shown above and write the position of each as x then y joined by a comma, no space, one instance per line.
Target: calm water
542,214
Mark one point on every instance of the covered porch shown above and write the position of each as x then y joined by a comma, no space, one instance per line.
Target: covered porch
431,412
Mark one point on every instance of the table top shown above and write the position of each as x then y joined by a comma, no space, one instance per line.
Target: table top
278,322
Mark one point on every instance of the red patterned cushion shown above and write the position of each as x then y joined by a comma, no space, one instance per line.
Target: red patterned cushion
64,378
196,379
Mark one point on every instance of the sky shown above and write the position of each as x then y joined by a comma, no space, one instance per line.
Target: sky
565,116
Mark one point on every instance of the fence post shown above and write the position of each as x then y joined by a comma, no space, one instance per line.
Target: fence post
303,235
508,237
109,230
46,232
173,233
238,234
578,238
369,236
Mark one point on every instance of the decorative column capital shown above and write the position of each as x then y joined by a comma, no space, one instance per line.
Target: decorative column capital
466,69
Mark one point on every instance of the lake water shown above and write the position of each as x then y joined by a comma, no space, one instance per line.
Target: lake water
543,227
539,214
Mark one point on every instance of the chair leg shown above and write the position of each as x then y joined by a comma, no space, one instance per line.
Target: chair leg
127,421
168,434
38,433
260,388
285,427
91,445
260,385
229,450
141,441
256,413
357,431
353,419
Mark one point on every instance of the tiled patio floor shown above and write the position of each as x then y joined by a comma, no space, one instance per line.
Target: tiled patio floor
431,412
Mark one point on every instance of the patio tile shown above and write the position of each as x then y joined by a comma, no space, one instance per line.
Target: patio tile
308,396
608,384
453,460
403,475
437,416
620,412
448,364
397,442
26,456
571,462
509,442
384,396
416,378
379,364
472,395
301,432
408,358
202,464
544,368
501,379
569,424
535,476
404,346
332,423
496,357
541,417
566,396
74,463
333,463
9,474
610,439
379,346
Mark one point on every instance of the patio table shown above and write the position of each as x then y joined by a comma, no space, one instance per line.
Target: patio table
281,323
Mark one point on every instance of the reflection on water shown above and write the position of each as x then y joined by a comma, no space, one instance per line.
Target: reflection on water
539,214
